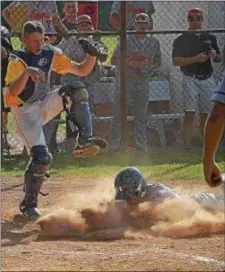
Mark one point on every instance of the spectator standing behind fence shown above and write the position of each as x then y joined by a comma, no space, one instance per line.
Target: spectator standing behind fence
72,49
143,56
70,10
133,8
194,53
213,133
6,48
84,24
18,13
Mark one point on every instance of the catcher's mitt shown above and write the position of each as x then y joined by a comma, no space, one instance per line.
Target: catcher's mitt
94,48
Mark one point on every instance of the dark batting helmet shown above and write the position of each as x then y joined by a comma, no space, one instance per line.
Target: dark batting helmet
129,183
5,38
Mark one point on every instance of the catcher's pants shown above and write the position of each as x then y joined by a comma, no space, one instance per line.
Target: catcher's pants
197,93
138,92
30,118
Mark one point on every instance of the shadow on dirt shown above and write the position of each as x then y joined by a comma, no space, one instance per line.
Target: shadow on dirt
10,188
13,232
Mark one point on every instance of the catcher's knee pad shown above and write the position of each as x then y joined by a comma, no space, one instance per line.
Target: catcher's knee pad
76,91
35,173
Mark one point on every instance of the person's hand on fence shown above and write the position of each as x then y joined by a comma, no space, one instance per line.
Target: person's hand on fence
60,27
212,54
35,74
56,20
201,57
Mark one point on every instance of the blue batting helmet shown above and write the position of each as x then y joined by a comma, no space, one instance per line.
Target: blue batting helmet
129,183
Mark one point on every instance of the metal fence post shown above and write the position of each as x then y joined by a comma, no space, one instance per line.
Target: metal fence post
123,72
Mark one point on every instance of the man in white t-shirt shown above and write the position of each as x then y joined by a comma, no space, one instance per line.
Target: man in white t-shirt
19,12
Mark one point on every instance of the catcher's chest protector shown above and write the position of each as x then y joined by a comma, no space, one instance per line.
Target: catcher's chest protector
36,91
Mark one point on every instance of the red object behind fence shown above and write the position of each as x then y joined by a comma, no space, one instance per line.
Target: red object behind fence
89,8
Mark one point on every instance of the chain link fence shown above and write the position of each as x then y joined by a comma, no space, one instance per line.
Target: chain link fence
158,92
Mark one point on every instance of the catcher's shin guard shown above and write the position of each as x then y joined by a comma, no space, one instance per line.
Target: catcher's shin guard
34,177
79,119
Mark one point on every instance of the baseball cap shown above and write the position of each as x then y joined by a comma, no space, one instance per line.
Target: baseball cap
142,18
197,11
84,18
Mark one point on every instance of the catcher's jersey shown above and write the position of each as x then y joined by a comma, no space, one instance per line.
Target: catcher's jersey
50,59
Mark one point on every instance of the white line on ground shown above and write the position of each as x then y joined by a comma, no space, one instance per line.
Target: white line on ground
96,254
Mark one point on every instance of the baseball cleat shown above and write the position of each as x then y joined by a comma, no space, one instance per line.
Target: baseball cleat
86,150
31,214
99,142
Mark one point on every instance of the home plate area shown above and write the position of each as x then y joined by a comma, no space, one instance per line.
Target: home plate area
82,229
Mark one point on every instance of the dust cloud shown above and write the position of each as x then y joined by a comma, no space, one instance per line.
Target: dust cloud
94,215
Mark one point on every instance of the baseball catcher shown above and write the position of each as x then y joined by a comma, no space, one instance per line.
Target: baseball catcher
27,93
131,186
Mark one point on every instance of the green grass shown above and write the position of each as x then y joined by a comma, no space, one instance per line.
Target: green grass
16,43
111,42
158,164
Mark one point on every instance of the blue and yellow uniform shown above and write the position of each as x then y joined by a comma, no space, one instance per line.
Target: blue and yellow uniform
51,59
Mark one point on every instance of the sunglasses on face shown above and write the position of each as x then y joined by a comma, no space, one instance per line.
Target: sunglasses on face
195,17
142,23
85,24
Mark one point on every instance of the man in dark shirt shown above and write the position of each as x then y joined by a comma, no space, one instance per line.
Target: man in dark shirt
194,54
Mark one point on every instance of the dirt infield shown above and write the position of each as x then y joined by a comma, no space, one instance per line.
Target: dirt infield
189,242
